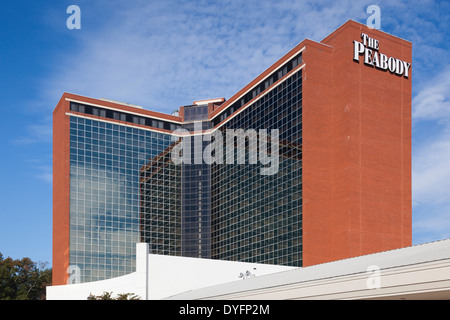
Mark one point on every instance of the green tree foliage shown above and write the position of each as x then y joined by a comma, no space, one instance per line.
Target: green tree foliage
108,296
23,279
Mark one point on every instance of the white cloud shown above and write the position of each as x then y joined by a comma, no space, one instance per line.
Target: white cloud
431,159
39,167
431,172
431,223
45,173
41,131
165,54
433,101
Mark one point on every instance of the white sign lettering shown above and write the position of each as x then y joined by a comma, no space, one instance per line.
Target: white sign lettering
372,57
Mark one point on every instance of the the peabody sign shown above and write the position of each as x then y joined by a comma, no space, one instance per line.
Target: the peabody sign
369,48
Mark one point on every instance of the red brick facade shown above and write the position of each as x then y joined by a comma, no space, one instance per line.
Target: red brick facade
356,149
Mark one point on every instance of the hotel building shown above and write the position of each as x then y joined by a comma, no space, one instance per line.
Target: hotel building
341,188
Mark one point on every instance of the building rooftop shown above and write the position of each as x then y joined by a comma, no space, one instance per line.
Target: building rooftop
348,269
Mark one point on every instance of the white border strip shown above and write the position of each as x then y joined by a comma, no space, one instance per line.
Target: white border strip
203,102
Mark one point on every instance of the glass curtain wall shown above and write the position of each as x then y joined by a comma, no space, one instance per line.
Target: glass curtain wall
106,165
258,218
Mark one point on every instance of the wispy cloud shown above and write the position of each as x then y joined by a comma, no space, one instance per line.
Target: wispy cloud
45,173
431,172
431,165
431,223
39,167
39,132
431,159
165,54
433,101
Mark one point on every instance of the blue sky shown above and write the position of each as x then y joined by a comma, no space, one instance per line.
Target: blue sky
164,54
